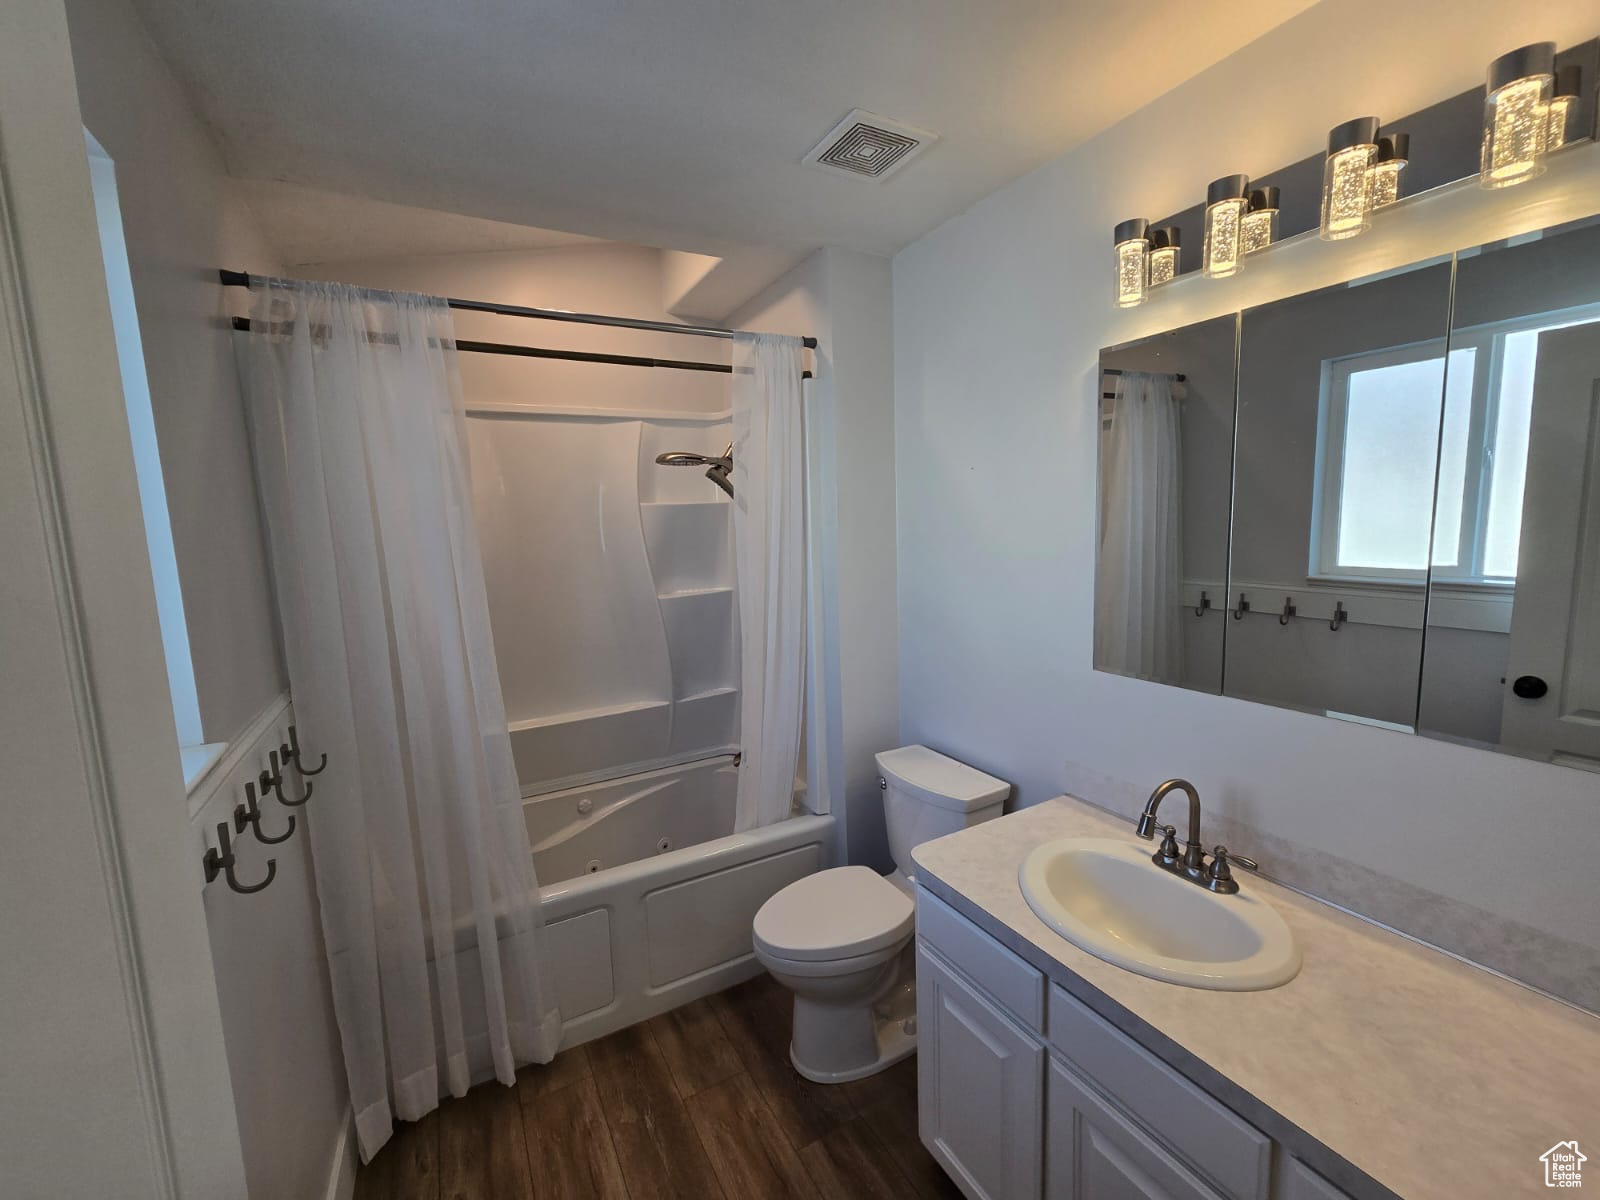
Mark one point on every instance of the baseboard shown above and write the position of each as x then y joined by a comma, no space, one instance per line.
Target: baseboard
342,1170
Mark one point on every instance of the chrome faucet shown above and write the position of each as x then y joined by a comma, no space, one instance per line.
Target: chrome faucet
1191,863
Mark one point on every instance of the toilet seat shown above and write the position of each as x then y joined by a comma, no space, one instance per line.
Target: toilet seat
835,915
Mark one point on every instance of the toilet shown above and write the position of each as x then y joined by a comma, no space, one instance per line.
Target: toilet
840,940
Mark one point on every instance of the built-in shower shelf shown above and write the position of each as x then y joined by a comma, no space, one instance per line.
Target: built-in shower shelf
586,714
709,694
686,593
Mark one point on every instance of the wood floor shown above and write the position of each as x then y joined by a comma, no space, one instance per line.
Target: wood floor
698,1103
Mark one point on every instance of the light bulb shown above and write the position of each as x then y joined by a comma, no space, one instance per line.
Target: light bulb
1225,205
1164,249
1346,196
1394,150
1516,115
1259,229
1567,86
1132,246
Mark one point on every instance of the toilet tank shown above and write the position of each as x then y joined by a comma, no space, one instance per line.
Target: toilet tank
927,795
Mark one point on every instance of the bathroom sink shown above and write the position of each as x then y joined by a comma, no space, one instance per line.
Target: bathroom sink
1106,896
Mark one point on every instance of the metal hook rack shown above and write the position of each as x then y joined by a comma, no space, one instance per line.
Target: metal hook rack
220,860
272,781
290,751
1340,616
1243,607
1288,610
1205,604
248,815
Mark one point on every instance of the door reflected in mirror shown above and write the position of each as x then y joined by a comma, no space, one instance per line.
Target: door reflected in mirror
1513,635
1166,451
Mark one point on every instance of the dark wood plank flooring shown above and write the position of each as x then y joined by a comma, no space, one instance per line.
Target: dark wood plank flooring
698,1103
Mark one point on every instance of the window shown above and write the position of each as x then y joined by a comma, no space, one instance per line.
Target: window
1383,436
195,754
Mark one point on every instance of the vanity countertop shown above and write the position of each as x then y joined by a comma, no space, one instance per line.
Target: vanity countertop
1435,1078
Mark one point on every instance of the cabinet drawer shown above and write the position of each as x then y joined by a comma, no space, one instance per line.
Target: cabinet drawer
1299,1182
1233,1154
1018,987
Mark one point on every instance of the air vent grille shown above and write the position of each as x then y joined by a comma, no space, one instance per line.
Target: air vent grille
867,145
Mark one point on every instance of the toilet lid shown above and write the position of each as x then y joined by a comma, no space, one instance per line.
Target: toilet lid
834,914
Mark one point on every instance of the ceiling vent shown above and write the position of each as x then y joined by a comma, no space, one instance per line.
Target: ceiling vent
869,146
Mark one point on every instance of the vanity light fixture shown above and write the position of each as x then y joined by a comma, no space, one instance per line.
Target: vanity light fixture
1260,226
1346,193
1568,83
1226,200
1133,247
1164,247
1394,150
1516,115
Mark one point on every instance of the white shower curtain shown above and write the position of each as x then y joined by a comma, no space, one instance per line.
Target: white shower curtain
769,563
430,910
1138,590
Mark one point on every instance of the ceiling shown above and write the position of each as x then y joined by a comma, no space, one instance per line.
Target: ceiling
310,225
678,123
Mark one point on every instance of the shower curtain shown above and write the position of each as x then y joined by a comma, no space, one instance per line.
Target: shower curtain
430,910
769,565
1138,590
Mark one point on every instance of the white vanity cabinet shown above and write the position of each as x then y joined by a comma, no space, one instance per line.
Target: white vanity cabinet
1025,1093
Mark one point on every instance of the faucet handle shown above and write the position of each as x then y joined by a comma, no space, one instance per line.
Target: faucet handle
1169,843
1220,855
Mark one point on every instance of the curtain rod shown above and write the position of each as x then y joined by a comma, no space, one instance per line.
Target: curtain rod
245,325
241,279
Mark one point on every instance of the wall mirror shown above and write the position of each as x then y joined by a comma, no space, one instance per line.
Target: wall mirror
1379,501
1166,455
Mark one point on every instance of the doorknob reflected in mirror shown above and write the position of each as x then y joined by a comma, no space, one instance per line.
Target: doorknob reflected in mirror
1529,687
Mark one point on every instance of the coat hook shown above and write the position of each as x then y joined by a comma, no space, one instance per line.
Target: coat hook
291,753
1205,603
249,813
1288,611
219,860
1244,607
1339,616
272,781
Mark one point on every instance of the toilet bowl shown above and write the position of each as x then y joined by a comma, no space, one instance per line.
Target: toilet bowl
840,940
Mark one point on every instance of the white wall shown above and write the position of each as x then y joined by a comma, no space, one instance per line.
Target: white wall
843,299
181,224
998,318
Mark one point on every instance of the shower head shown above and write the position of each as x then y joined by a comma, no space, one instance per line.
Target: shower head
718,467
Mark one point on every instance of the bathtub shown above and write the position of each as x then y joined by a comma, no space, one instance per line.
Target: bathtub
648,896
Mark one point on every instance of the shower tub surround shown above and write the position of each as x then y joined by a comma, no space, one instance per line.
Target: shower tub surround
648,895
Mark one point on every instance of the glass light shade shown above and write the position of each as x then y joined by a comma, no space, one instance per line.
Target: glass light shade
1132,246
1346,194
1516,115
1385,183
1163,265
1164,251
1560,108
1226,202
1224,223
1259,229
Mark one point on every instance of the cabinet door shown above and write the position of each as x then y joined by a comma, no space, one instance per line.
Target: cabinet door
1093,1152
980,1088
1299,1182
